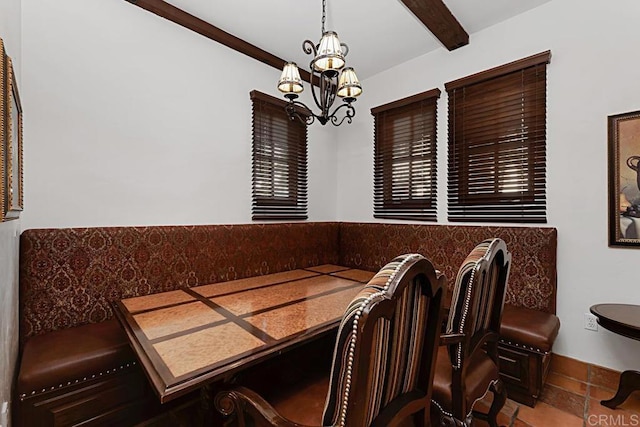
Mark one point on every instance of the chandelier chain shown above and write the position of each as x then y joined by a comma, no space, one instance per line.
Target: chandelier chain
324,14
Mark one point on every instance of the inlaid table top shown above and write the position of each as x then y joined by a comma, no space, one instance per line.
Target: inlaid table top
190,337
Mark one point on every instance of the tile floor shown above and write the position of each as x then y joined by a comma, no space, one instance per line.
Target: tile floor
571,397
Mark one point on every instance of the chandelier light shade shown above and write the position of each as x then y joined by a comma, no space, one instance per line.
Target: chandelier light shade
330,55
348,84
290,81
332,77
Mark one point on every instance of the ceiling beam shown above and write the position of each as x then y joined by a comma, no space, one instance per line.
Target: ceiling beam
193,23
437,17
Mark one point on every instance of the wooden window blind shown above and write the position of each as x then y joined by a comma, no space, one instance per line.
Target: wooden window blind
497,143
279,161
405,158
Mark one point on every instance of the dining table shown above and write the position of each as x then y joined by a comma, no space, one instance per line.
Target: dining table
191,337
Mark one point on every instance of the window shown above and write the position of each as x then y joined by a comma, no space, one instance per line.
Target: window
405,158
497,143
279,161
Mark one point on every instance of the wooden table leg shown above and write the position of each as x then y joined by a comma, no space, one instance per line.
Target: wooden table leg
629,382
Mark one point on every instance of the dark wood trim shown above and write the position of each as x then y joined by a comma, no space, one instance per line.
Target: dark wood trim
240,319
530,61
437,17
169,387
224,294
433,93
189,331
337,269
193,23
523,371
237,291
347,286
233,318
622,323
118,398
144,351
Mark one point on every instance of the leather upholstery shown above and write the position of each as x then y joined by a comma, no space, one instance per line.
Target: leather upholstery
481,370
470,366
303,404
532,328
58,358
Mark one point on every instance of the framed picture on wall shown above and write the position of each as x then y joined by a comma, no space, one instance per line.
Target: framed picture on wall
3,132
624,179
13,131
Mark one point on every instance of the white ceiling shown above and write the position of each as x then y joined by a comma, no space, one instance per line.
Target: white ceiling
379,33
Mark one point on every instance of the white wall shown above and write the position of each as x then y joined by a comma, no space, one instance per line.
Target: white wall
593,74
10,23
134,120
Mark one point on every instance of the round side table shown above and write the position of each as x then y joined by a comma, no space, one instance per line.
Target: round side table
622,319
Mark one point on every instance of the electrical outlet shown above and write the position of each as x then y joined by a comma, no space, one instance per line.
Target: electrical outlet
590,322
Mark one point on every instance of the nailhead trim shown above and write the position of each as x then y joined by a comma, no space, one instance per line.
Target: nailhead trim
352,340
526,347
465,312
470,414
109,371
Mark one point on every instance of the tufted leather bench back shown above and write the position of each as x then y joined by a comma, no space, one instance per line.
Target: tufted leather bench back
70,276
532,281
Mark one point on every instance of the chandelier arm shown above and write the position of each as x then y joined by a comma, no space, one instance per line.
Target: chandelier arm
326,93
330,94
309,48
326,96
293,114
317,91
345,49
348,116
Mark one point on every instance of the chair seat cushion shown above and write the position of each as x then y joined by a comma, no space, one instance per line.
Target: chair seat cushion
531,328
66,356
480,372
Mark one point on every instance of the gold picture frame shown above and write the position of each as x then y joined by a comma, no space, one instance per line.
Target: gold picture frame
14,151
3,132
624,179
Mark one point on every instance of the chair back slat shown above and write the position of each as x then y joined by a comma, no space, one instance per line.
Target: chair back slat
478,299
386,343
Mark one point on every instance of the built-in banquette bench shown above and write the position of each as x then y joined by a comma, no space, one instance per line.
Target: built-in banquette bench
76,366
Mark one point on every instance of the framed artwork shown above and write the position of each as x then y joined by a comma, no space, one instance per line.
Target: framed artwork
624,179
3,131
13,113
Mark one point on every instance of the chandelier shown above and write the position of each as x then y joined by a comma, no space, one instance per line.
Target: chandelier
332,77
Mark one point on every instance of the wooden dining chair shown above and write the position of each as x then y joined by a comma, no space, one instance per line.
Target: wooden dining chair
467,361
383,358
